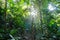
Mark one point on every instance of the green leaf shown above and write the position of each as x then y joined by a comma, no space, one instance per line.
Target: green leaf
13,31
51,22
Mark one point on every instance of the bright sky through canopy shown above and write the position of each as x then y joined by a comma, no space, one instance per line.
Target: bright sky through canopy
51,7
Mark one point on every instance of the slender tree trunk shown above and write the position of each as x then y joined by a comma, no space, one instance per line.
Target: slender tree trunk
5,14
32,30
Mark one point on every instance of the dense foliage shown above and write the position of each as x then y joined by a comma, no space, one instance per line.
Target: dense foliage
29,19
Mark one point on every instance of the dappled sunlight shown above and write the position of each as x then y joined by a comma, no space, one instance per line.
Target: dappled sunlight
58,19
24,7
58,15
14,0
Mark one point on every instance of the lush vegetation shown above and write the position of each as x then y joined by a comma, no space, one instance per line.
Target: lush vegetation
29,19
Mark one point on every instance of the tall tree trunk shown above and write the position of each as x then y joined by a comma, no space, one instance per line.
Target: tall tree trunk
33,30
5,14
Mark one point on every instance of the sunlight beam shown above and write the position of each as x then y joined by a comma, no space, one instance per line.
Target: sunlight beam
33,11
